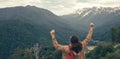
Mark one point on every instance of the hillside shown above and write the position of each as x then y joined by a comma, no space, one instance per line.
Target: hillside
24,26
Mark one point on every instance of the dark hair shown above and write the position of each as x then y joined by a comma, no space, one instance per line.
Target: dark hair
76,45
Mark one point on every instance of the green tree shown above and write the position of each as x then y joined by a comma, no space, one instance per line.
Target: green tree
22,54
17,54
114,35
114,55
118,37
100,51
28,53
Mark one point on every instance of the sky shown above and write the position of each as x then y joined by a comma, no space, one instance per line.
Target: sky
60,7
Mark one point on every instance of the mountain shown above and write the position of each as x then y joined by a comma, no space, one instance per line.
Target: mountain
22,27
104,18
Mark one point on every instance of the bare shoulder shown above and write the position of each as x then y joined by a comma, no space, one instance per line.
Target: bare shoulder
66,48
83,44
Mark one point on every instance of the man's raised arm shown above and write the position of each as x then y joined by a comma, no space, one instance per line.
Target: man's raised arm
55,43
88,37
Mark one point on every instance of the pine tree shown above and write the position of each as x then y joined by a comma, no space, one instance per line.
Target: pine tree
114,35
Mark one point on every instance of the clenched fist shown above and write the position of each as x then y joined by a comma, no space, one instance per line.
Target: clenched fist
92,25
52,32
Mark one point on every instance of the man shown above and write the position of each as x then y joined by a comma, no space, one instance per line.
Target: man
75,48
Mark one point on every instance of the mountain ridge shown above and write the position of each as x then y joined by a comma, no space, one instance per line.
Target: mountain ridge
104,18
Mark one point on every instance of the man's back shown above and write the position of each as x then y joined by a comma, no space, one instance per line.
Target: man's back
66,52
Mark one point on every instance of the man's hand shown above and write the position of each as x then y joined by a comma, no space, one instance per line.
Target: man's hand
52,32
91,25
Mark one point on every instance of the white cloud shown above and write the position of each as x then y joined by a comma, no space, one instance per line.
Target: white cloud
60,7
107,2
9,3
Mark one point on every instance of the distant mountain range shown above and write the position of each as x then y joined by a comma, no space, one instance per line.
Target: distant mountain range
104,18
24,26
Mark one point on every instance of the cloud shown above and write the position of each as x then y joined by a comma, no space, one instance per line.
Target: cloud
60,7
9,3
107,2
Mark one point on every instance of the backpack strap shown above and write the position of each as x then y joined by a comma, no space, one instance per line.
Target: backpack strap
71,55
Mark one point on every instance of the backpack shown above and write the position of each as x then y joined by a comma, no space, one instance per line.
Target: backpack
71,55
